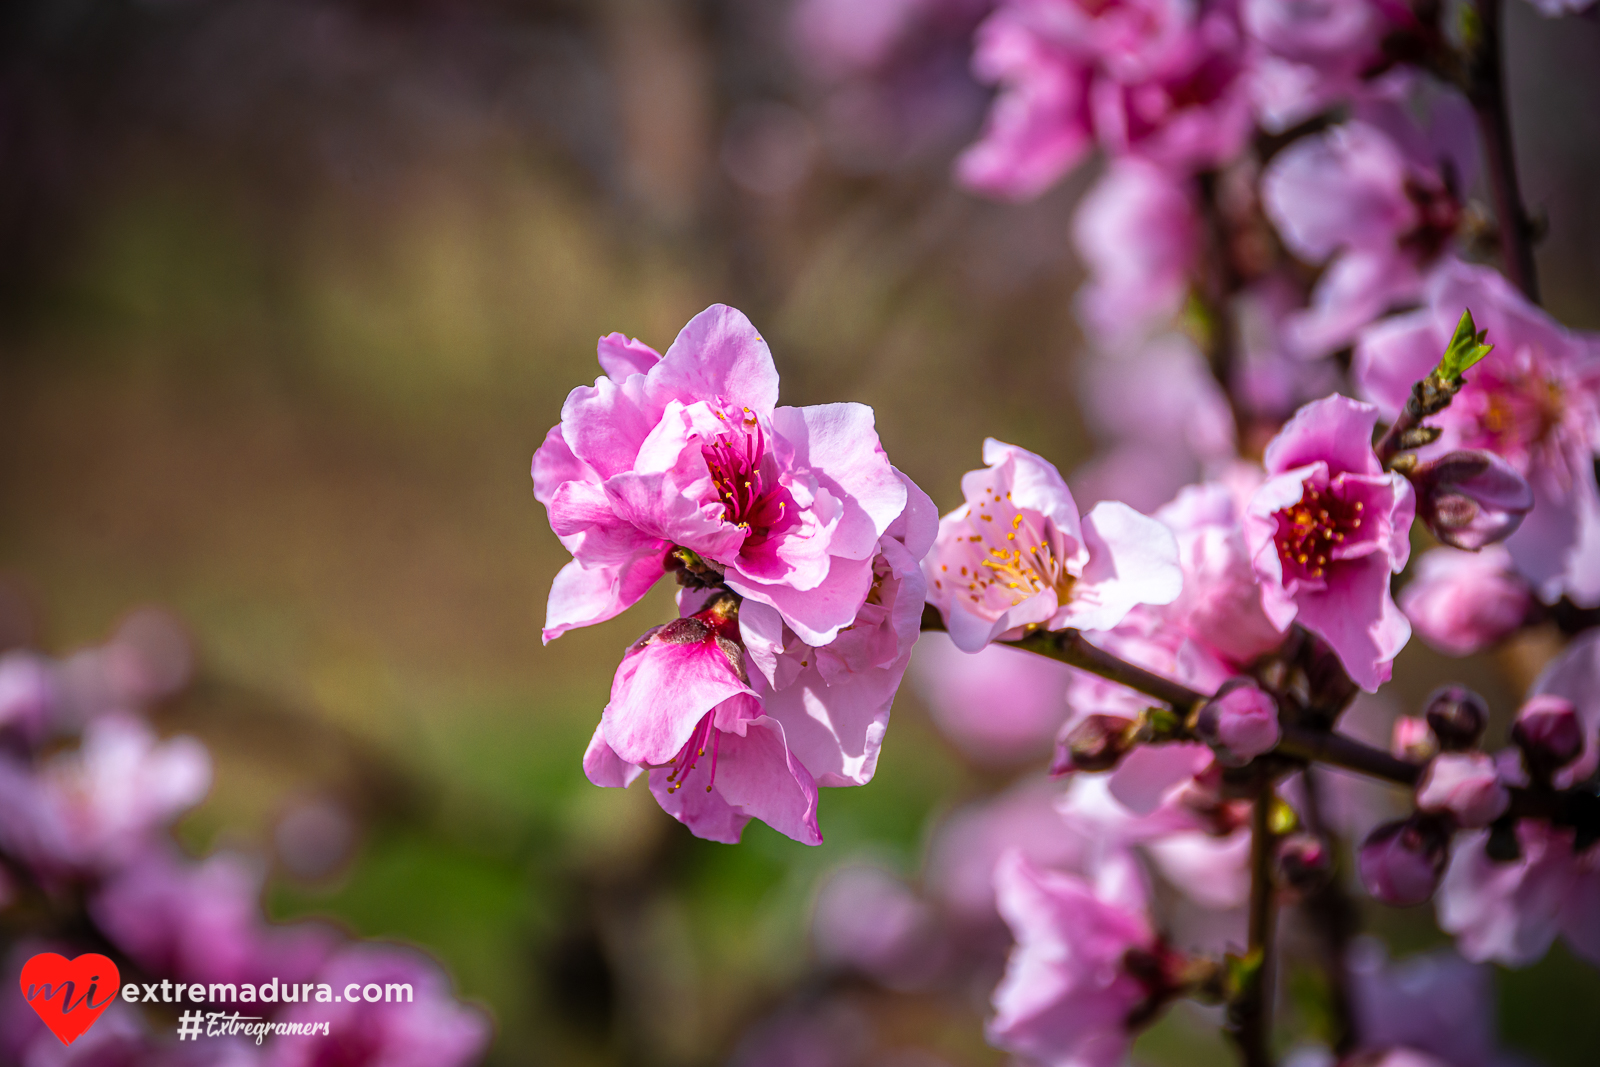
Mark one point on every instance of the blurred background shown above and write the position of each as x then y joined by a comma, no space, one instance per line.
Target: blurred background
291,290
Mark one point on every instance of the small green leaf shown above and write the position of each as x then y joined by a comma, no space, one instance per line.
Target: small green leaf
1466,349
1243,972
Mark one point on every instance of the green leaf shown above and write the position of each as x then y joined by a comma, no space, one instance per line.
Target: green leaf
1466,349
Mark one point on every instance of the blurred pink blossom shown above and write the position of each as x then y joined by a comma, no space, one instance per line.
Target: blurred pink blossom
999,705
1138,231
429,1028
867,919
1470,499
1435,1002
1067,994
1511,912
1160,79
1240,724
1310,54
1464,785
1463,602
1575,676
1535,401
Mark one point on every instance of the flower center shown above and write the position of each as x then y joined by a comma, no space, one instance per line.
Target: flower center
1014,558
705,735
1521,412
1310,532
750,500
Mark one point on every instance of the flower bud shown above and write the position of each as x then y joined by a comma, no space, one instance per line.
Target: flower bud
1401,862
1457,717
1305,862
1096,743
1471,499
1550,733
1465,786
1413,739
1240,723
1463,602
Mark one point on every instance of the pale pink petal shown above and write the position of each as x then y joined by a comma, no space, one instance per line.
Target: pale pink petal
604,767
1133,559
621,355
718,354
839,444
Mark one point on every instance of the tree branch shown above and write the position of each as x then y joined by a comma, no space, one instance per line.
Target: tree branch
1250,1013
1486,90
1334,919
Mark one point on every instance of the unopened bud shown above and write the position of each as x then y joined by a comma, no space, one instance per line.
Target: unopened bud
1457,716
1464,786
1305,862
1401,862
1471,499
1096,743
1240,723
1412,739
1549,731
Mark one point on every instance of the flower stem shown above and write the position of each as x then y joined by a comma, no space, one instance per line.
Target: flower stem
1486,90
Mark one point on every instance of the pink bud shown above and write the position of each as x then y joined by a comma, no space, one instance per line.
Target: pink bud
1413,739
1549,732
1465,786
1401,862
1471,499
1240,723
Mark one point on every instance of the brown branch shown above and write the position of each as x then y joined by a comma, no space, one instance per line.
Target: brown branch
1334,919
1486,90
1341,750
1250,1013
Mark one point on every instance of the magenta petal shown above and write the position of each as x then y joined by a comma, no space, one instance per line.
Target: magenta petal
554,464
1335,430
661,690
707,815
839,444
760,776
604,424
718,354
604,767
1343,616
815,615
621,356
581,597
1141,781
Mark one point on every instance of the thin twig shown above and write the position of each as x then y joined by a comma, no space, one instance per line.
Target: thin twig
1250,1014
1486,90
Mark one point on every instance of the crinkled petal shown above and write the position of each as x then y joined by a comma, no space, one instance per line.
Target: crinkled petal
718,354
621,355
839,443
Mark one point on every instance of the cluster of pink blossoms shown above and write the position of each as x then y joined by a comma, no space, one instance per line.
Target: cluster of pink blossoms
1299,367
88,794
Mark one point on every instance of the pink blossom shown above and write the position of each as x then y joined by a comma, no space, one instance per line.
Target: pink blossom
1575,677
1325,532
1183,422
428,1028
1381,208
682,706
1413,739
1534,401
1309,55
1401,862
1436,1002
1138,231
1067,994
95,808
833,700
202,922
1016,553
1465,786
1240,724
968,845
1463,602
1155,78
1220,608
998,705
689,450
1512,912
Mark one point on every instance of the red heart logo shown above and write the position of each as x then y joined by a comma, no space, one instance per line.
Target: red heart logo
67,993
